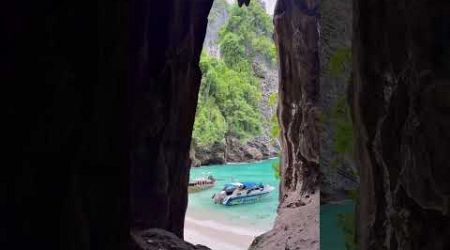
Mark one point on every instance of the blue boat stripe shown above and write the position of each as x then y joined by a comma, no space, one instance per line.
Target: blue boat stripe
245,196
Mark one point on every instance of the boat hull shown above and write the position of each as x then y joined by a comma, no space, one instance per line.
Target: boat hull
238,200
195,189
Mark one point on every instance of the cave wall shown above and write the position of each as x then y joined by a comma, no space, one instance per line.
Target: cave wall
401,112
166,39
63,181
100,101
297,40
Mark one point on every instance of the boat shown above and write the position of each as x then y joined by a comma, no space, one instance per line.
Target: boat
201,183
241,192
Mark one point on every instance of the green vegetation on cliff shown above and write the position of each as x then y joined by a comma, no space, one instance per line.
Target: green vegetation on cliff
228,103
340,116
252,28
343,139
230,92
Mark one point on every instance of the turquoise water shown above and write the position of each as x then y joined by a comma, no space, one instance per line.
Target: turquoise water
331,235
260,214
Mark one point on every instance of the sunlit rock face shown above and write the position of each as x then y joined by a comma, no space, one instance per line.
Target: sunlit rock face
297,39
401,109
165,42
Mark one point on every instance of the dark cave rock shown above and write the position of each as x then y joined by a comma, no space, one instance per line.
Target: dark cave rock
401,113
164,80
159,239
65,181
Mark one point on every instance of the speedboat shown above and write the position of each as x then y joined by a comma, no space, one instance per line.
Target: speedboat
201,183
241,192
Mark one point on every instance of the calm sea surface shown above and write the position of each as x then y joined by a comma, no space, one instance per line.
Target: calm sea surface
258,216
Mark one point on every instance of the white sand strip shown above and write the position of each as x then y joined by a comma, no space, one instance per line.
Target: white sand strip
218,236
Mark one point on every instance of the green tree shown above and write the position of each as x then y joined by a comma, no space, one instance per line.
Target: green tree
210,125
231,97
253,28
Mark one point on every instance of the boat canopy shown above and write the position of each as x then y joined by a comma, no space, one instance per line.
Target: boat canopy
249,184
244,184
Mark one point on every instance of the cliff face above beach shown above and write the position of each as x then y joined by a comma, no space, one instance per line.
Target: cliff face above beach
233,151
236,110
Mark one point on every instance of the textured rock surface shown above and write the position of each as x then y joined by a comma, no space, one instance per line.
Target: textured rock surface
212,155
296,226
217,17
268,79
233,151
401,107
164,79
244,152
297,39
158,239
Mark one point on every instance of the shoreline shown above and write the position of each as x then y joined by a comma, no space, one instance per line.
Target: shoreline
217,234
238,163
230,228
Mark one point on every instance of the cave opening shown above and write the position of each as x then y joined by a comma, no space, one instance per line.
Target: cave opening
235,137
163,95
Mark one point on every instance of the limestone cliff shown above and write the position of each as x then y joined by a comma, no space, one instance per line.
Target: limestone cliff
217,17
233,150
230,149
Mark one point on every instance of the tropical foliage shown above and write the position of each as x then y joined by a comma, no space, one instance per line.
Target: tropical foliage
253,29
230,92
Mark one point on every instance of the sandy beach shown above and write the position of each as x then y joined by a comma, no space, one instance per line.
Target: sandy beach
230,227
217,234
